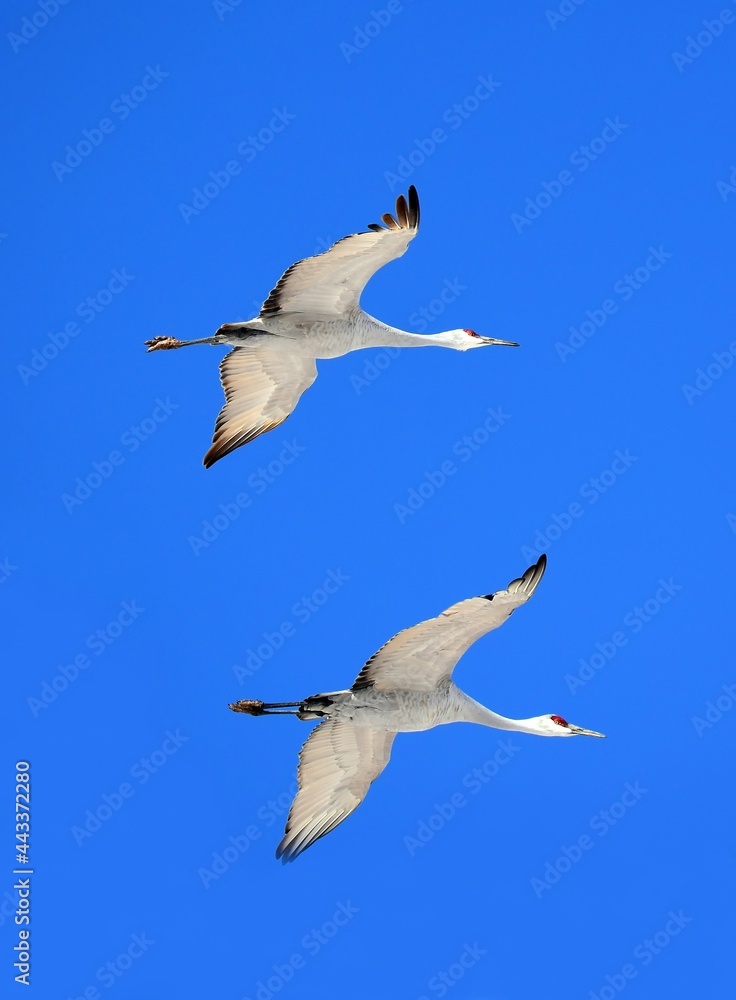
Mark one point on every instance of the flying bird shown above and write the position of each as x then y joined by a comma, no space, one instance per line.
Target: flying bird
405,687
312,312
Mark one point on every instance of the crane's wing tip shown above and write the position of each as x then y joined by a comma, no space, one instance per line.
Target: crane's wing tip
527,583
286,853
406,218
535,573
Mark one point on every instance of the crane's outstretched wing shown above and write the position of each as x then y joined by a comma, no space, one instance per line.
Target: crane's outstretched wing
336,767
421,657
330,284
262,383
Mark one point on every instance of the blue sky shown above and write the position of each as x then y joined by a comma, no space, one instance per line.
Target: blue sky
576,170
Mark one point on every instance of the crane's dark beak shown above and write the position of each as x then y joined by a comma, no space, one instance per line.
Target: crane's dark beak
501,343
578,731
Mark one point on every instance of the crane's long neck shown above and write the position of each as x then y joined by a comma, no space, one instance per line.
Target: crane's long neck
473,711
379,334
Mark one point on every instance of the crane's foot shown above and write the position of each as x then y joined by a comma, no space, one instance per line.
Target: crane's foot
254,707
247,706
162,344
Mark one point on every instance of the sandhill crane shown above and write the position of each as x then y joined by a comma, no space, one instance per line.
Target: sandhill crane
405,687
313,312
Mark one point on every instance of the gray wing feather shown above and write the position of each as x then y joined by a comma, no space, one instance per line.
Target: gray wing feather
336,767
421,657
263,381
329,284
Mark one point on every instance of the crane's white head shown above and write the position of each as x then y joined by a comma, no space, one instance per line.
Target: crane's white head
555,725
464,340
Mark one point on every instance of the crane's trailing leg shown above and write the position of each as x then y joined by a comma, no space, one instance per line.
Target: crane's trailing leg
256,707
316,706
169,343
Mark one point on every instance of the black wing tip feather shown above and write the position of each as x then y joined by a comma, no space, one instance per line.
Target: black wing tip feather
284,854
219,449
289,850
540,565
530,579
292,845
407,214
414,213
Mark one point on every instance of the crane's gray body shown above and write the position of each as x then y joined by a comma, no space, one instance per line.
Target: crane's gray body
328,337
394,711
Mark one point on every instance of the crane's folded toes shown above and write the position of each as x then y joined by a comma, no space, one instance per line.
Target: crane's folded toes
162,344
248,706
